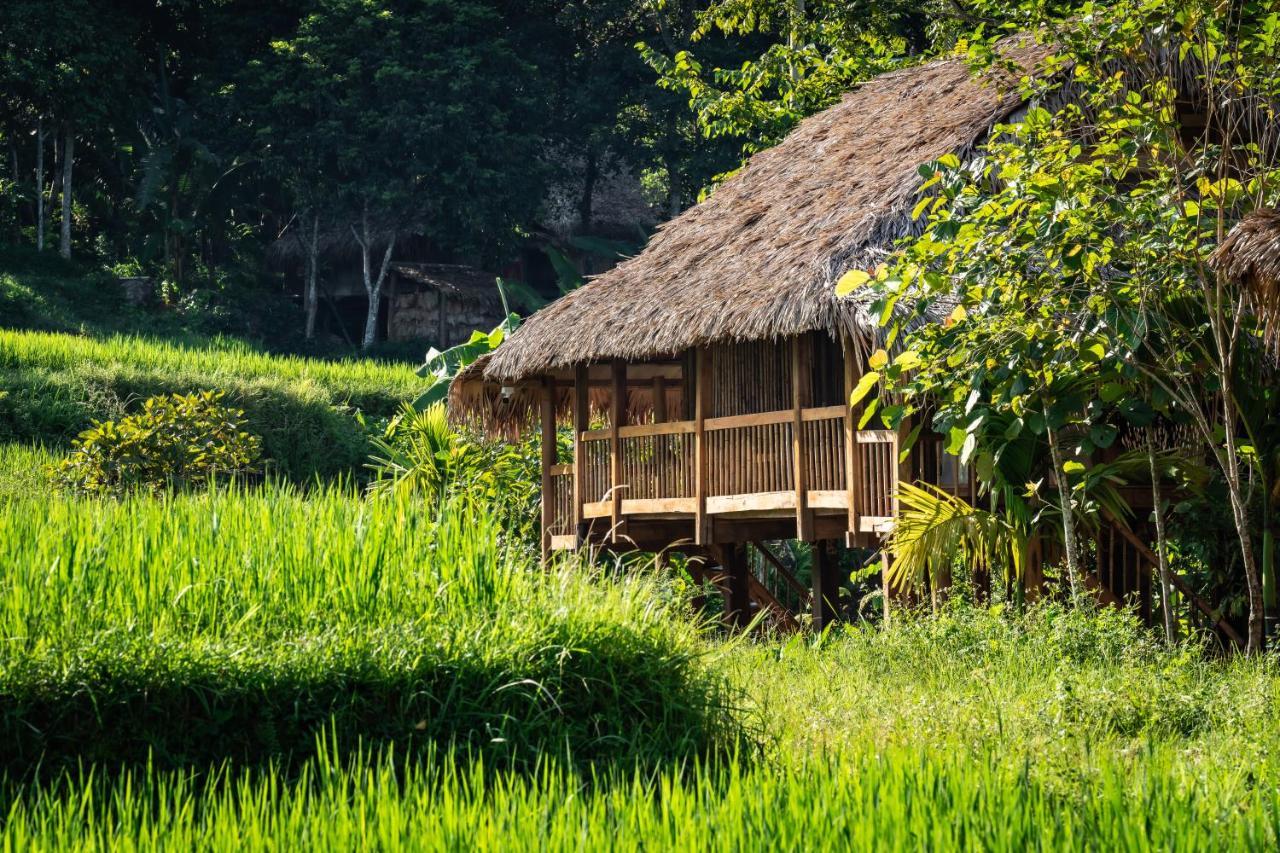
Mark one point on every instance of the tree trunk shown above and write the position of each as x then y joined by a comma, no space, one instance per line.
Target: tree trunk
17,182
1162,555
311,295
40,184
1064,500
1240,515
68,159
372,287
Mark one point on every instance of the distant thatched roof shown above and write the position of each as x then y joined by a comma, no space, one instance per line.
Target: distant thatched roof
759,259
1250,255
456,281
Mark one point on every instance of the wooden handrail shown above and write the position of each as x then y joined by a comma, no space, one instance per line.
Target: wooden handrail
877,436
823,413
562,469
820,413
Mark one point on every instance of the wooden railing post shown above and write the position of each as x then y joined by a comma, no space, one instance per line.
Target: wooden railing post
581,420
617,412
701,408
801,392
548,460
852,462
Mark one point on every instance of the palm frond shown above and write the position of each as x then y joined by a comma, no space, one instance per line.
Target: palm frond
935,530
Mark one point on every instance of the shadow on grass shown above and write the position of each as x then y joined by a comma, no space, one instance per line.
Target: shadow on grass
616,704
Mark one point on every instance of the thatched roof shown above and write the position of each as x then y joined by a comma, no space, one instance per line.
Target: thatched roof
760,258
456,281
1250,255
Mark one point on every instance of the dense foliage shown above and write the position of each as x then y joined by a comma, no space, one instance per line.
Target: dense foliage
1073,256
177,441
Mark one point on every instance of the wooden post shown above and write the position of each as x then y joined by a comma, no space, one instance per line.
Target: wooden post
581,420
737,605
826,589
903,463
701,407
801,393
617,413
659,400
852,462
548,460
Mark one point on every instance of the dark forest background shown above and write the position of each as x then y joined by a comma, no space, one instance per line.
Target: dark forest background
259,165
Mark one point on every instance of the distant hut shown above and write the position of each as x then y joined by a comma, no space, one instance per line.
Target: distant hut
707,379
443,303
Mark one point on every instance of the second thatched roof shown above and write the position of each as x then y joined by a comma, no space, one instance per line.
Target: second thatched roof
760,258
1250,255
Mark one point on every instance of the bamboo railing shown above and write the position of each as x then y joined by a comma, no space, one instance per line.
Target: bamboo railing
746,456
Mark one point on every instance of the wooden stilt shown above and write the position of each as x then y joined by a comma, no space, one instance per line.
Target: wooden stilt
738,603
826,585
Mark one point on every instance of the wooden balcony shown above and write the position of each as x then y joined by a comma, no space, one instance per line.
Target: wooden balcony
809,466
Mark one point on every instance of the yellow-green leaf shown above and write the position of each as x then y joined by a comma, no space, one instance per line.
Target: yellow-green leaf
851,281
879,359
864,386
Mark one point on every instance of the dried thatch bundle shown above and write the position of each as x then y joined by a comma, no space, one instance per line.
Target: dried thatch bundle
1250,255
759,259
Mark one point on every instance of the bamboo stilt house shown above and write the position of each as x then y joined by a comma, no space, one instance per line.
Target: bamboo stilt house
707,379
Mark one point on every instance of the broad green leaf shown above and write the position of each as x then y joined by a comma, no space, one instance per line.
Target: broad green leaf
864,386
851,281
907,360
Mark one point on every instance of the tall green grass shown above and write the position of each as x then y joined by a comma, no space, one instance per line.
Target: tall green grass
279,670
192,629
52,386
896,799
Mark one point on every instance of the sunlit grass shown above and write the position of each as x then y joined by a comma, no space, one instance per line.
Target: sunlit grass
271,669
307,411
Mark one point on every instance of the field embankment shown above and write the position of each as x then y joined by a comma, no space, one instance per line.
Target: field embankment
307,412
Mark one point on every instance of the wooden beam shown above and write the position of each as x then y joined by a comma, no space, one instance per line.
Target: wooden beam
852,463
548,461
801,393
581,420
659,399
617,413
826,585
702,406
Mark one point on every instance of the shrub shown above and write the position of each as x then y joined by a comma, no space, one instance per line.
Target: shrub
176,440
310,414
420,452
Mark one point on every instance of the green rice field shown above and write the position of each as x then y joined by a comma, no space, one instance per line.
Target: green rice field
274,669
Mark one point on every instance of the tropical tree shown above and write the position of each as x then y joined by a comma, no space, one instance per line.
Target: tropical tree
1075,249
